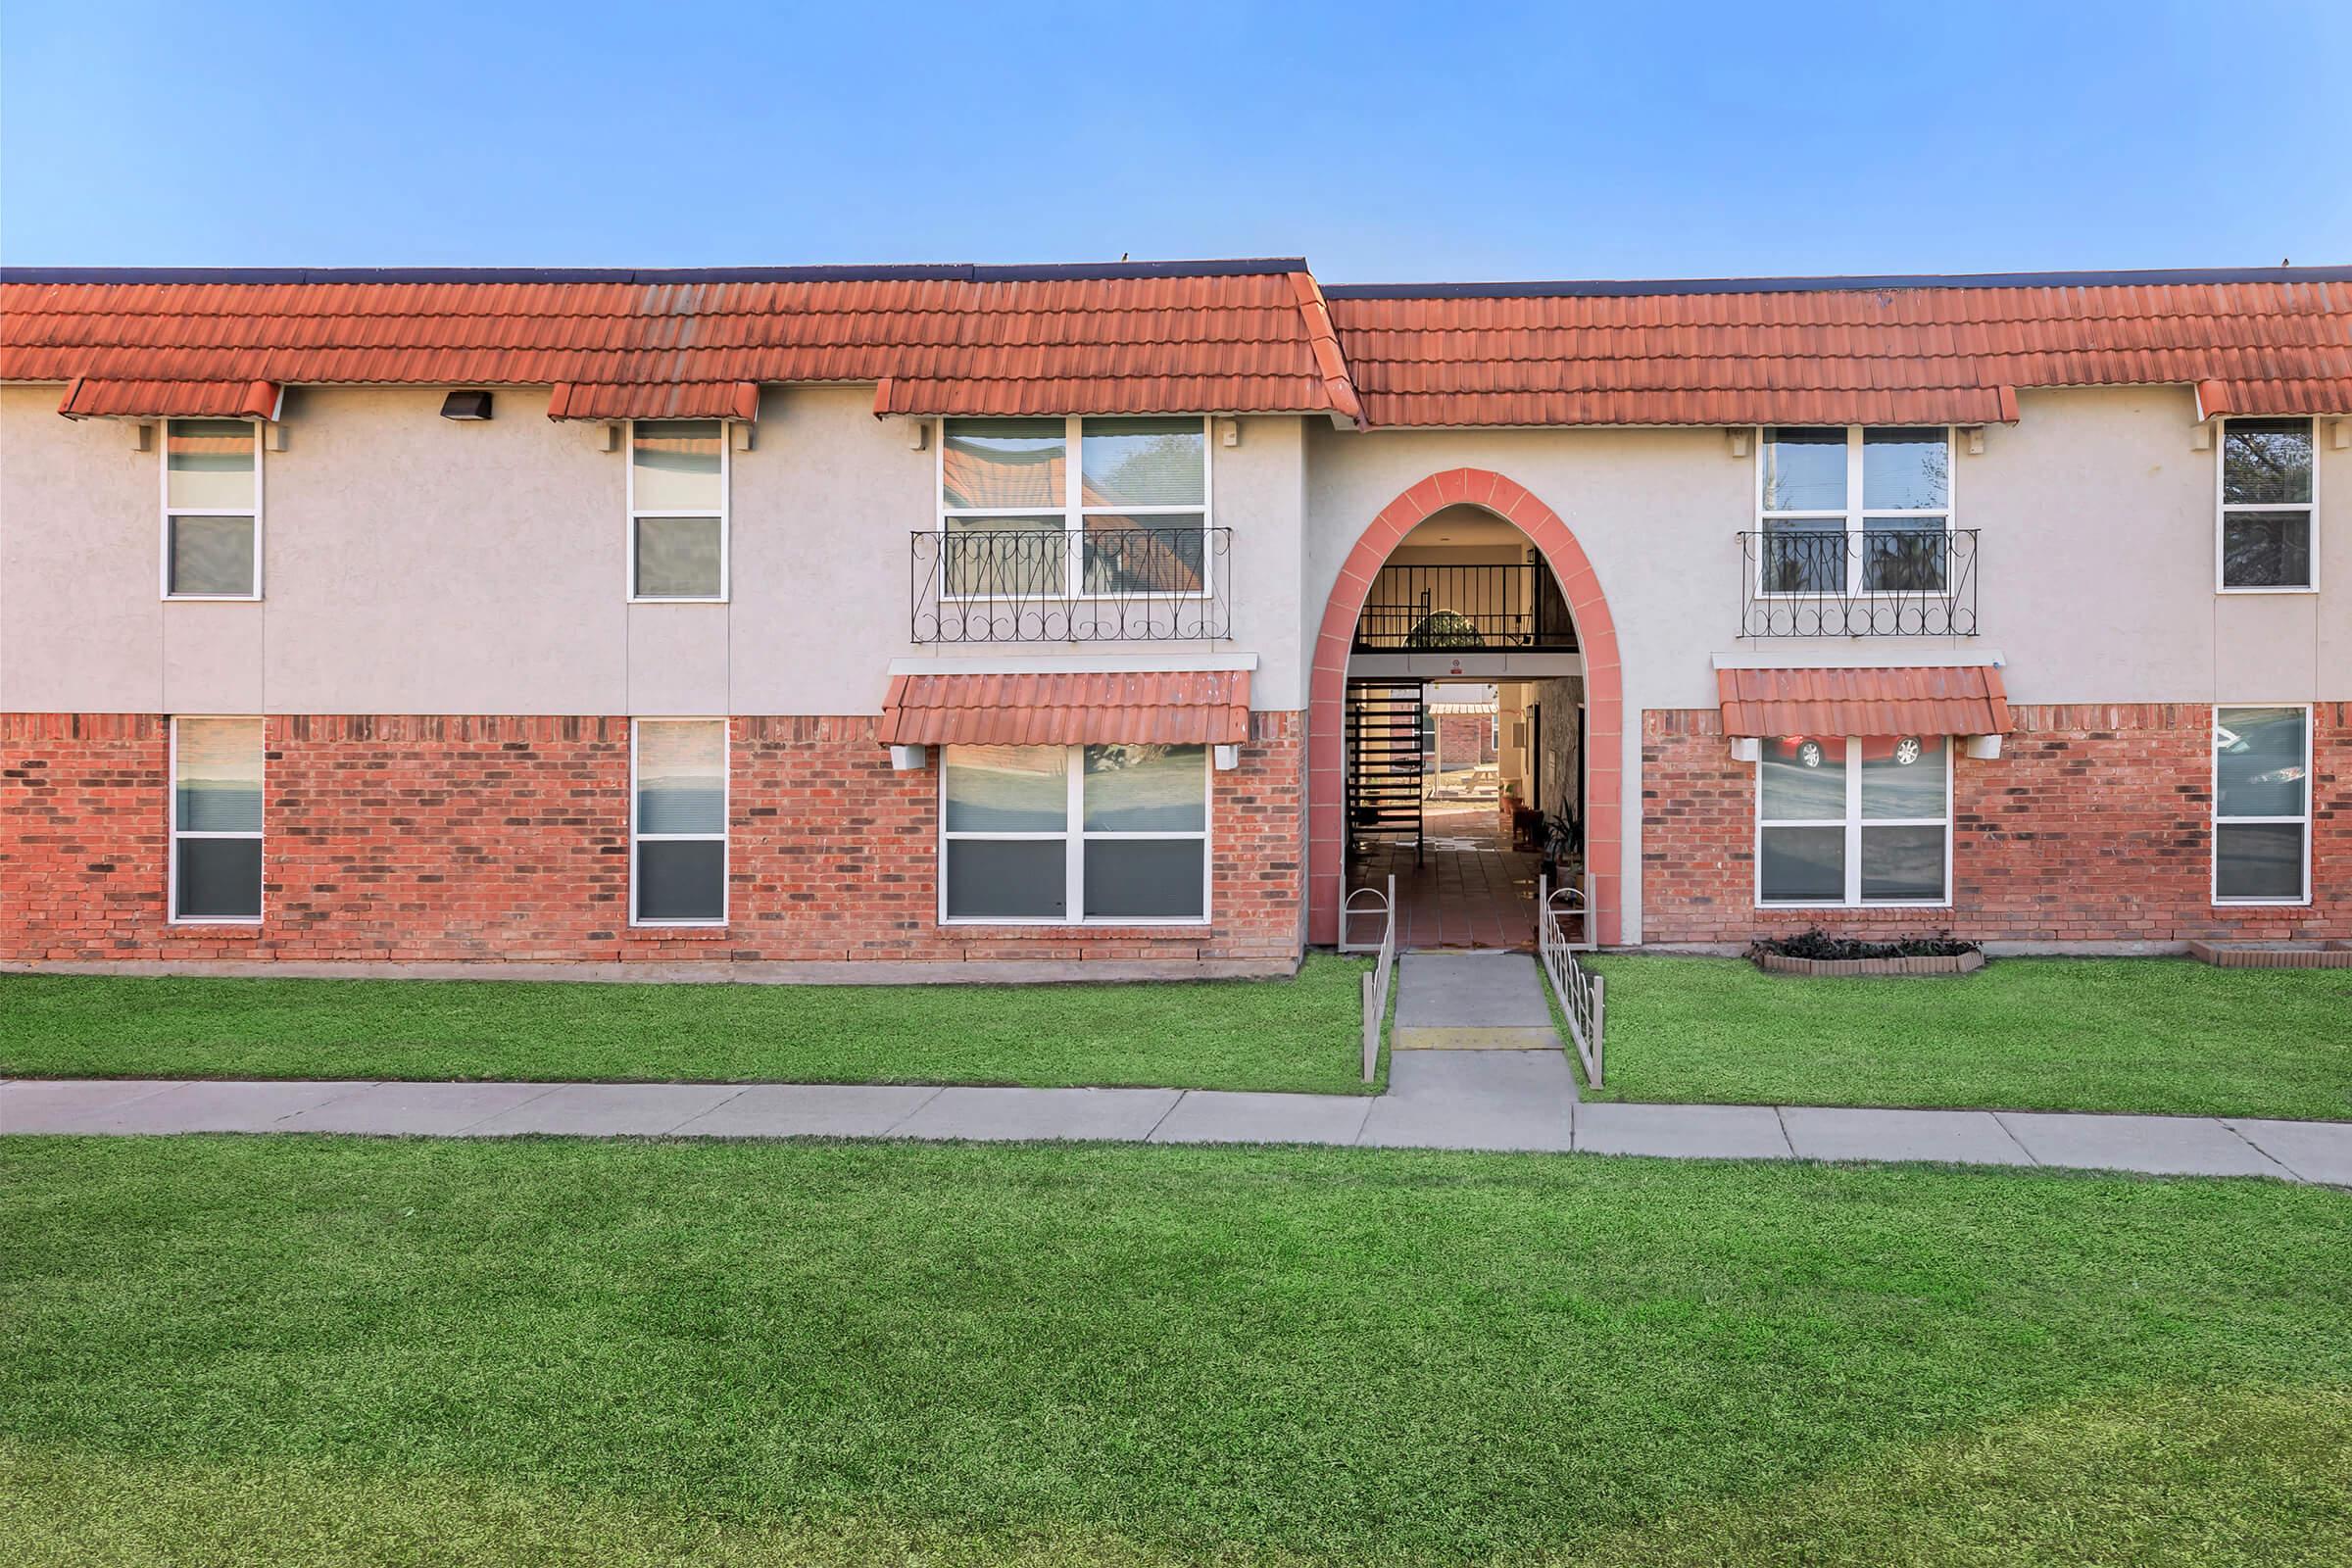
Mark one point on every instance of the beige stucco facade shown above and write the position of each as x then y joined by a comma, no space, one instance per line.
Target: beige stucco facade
413,564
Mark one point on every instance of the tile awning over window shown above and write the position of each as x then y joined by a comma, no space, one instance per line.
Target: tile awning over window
93,398
1052,708
655,400
1906,700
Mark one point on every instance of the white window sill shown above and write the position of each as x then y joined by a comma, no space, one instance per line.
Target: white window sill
968,922
1767,908
641,599
246,920
2308,588
2262,903
212,599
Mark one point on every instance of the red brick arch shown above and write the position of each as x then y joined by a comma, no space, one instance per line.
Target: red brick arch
1604,689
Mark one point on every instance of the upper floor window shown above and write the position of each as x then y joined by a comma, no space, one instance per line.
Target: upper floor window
1848,511
1021,521
217,819
2267,507
1854,820
211,508
678,508
2261,805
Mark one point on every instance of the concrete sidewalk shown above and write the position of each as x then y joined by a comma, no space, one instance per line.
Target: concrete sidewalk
1477,1100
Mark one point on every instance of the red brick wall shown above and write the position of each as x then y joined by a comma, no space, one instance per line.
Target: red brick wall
430,837
2093,824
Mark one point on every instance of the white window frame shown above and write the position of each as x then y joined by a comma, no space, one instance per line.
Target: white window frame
1075,835
2221,508
176,832
1854,512
1074,509
2216,819
1853,823
164,533
726,518
726,818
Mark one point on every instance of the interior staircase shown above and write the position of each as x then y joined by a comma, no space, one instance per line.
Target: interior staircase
1386,759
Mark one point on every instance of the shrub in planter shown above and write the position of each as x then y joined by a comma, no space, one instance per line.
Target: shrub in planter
1817,953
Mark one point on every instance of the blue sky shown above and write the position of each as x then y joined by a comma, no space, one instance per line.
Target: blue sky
1383,142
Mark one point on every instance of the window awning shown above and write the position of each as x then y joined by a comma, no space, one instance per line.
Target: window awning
1904,700
92,398
655,400
1058,707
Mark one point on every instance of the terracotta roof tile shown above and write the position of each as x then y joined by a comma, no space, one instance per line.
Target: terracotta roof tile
1176,708
1907,699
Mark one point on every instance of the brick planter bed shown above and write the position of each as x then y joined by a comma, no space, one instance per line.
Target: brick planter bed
1824,968
2272,954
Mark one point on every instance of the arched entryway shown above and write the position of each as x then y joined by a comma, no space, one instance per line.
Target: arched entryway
1604,701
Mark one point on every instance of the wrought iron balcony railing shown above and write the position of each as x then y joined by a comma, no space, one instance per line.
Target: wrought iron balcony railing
1807,582
1465,609
1057,585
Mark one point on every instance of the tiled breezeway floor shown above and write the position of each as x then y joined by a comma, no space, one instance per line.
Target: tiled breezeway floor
1470,889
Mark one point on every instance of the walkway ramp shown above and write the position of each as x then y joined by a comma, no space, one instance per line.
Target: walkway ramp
1471,1001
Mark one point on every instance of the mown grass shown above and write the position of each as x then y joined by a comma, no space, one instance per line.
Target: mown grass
2027,1034
237,1350
1296,1034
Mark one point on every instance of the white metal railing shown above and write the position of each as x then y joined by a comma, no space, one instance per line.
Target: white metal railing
1373,901
1580,989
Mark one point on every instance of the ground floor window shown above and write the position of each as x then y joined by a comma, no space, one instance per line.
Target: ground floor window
1853,820
2262,805
216,819
1064,833
678,822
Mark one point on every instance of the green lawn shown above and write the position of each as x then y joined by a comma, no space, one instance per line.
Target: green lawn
1299,1033
2059,1034
228,1351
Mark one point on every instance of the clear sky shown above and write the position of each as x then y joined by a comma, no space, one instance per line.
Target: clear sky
1383,142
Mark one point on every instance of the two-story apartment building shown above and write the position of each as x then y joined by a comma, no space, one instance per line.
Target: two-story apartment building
1069,613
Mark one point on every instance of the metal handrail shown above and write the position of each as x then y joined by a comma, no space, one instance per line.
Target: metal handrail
1582,993
1376,979
1057,585
1862,582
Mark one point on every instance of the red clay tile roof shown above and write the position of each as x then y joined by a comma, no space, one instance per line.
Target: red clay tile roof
1910,700
1217,337
87,399
1225,337
1175,708
1894,351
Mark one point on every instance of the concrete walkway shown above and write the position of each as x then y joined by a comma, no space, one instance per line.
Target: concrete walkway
1486,1099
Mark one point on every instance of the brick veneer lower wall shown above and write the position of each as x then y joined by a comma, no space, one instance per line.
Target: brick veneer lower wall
2093,825
402,837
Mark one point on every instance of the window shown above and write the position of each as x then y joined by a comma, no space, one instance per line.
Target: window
1021,521
1114,833
1817,539
1854,820
2261,805
2267,511
678,508
217,819
211,508
678,826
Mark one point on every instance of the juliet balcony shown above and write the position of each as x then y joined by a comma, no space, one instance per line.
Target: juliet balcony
1065,585
1803,581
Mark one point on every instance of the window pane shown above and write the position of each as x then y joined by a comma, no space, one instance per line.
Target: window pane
1147,789
683,879
1008,789
1804,778
1005,557
1906,471
676,465
2258,761
2258,861
1145,463
677,557
1003,462
1157,554
1804,864
682,778
218,762
1805,471
219,879
1902,863
1144,879
1902,775
1018,880
1898,556
1804,555
2265,548
212,555
208,464
2266,460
